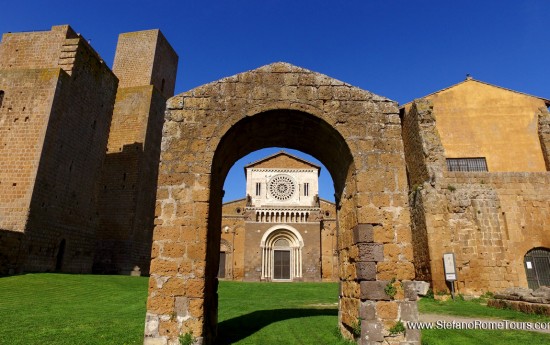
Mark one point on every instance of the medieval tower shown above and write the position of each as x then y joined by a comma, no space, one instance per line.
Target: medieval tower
73,185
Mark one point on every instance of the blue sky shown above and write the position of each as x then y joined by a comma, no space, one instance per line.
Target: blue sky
400,49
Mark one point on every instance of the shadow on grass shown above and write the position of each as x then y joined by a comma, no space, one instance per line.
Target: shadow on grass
241,327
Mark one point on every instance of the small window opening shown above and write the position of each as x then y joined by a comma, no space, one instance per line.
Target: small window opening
258,188
306,189
467,164
1,97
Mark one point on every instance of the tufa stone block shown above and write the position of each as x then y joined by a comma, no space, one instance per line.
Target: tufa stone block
365,270
410,289
363,233
374,290
373,252
367,311
409,311
371,332
155,341
412,337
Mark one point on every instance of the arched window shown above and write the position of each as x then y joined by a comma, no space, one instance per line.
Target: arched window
537,267
282,253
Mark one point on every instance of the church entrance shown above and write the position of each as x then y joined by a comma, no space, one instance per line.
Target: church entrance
282,253
281,264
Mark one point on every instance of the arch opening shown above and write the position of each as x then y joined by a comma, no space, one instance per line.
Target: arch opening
287,128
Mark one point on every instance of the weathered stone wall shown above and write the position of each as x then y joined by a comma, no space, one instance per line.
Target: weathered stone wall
25,111
494,220
146,58
329,239
39,49
64,200
207,129
544,134
58,98
128,182
425,163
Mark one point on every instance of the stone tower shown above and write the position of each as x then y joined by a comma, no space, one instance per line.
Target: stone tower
146,65
56,104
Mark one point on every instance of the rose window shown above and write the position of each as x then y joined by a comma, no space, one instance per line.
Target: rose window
281,187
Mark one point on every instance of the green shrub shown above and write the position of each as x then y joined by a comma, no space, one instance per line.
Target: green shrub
356,328
430,294
390,290
187,338
397,328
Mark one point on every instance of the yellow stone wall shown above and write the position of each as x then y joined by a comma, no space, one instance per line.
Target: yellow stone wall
475,119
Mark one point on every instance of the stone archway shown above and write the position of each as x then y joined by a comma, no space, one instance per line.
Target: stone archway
357,136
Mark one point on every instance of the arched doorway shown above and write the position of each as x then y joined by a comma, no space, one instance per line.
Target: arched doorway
355,134
282,254
537,267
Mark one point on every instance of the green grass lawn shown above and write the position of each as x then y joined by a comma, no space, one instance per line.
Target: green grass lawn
72,309
477,309
278,313
89,309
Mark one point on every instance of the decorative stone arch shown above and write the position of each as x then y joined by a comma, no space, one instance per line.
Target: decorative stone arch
225,245
268,244
354,133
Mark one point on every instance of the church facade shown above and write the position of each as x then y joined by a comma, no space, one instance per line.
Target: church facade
282,230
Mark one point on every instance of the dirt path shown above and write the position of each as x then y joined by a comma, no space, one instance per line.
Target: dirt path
463,322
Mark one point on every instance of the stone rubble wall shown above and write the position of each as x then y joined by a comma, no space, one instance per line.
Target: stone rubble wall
544,134
524,300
